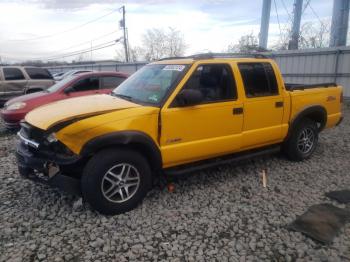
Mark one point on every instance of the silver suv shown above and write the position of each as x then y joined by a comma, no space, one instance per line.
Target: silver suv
19,80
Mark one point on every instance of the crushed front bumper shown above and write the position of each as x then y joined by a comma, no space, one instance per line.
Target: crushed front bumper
43,167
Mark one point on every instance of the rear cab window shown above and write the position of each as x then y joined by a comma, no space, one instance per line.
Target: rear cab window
38,73
259,79
12,73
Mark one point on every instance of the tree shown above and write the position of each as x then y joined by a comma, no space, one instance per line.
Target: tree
175,42
135,54
312,35
246,43
159,43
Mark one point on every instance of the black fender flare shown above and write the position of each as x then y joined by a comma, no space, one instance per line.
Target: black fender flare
315,112
135,139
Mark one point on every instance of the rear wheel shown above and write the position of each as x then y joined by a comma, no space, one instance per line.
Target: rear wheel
303,140
115,181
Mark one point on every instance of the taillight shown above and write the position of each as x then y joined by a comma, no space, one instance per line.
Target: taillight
341,97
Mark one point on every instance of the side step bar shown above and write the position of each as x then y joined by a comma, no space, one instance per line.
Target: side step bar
238,157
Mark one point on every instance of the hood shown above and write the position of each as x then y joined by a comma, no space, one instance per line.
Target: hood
28,97
46,116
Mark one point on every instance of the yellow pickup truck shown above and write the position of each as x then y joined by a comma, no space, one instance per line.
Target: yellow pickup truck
171,117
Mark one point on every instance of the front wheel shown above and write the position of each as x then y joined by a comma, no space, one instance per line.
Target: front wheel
115,181
303,140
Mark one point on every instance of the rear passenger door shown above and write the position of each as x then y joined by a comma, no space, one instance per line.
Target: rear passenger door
14,82
39,78
108,83
263,105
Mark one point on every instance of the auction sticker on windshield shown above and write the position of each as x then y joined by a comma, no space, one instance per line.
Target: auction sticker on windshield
174,67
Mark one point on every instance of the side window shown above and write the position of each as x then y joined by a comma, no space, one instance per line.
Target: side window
86,84
214,81
259,79
38,73
109,82
13,74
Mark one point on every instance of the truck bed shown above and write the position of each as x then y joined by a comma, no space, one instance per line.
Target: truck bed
292,87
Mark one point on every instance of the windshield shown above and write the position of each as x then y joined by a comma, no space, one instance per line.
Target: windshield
150,84
60,84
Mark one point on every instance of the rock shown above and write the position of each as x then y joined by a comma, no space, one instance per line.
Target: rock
78,204
221,214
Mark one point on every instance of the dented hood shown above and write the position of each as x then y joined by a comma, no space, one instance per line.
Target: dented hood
46,116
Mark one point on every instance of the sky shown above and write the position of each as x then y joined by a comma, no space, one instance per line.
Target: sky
46,29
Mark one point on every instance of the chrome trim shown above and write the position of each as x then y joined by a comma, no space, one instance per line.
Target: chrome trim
11,92
27,141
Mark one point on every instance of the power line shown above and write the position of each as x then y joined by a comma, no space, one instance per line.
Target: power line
98,47
278,19
319,19
286,9
305,6
65,31
82,43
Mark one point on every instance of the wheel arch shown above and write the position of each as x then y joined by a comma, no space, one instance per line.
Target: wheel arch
316,113
135,140
33,89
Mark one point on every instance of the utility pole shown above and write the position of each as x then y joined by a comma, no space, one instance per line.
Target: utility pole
264,25
123,25
293,43
340,20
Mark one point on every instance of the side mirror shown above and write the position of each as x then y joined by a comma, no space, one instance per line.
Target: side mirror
68,90
189,97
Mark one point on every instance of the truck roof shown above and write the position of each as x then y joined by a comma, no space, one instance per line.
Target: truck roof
211,56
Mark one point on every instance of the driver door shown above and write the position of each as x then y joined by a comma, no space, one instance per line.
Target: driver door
209,129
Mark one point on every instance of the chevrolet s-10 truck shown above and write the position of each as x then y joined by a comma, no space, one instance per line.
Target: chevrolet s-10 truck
172,116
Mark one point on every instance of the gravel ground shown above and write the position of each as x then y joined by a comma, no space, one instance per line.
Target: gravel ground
221,214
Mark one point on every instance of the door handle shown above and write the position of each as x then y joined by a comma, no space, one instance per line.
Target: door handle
279,104
238,111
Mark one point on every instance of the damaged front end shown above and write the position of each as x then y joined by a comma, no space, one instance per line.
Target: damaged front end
42,158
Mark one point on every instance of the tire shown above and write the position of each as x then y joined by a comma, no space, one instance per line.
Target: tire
303,140
25,172
109,187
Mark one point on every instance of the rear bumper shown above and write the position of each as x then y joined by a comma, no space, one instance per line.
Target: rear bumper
41,164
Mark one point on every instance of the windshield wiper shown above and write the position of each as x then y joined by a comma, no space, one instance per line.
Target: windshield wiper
126,97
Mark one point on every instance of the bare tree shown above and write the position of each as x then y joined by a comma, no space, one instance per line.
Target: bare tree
246,43
312,35
159,43
175,42
135,54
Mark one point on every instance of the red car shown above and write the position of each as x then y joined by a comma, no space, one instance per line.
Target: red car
77,85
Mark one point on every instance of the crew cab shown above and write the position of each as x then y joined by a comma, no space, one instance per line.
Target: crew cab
19,80
72,86
171,117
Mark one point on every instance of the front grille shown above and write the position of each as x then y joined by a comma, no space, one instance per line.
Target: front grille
30,132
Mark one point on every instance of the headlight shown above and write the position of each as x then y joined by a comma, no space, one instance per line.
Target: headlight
15,106
51,138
